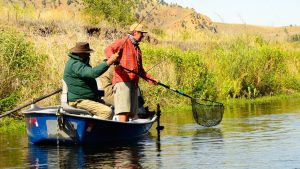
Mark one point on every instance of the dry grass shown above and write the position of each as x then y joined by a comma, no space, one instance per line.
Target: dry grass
66,28
268,32
57,48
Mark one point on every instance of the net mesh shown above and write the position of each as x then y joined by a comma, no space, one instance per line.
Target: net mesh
207,113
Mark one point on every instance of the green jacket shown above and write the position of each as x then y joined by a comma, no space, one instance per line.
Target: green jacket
80,78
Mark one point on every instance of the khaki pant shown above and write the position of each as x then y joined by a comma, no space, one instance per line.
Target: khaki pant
100,110
126,98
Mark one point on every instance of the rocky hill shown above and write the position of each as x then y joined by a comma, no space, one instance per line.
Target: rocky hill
172,16
156,14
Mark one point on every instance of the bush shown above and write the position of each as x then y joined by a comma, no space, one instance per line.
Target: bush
116,12
19,65
184,71
9,102
159,32
8,124
245,67
294,38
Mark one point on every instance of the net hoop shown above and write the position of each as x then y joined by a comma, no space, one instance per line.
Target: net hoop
207,113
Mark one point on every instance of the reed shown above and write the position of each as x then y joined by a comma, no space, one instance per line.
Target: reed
246,66
19,66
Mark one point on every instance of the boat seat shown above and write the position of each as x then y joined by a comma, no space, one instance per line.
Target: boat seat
64,102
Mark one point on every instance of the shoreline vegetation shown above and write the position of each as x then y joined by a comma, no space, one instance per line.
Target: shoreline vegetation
240,66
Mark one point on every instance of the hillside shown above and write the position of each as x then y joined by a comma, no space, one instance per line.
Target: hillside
157,16
163,16
267,32
172,17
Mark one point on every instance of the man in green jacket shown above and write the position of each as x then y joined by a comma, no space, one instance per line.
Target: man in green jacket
80,76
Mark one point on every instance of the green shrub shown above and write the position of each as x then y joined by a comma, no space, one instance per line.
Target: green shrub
8,124
184,71
159,32
9,102
116,12
248,69
294,38
20,66
245,67
185,35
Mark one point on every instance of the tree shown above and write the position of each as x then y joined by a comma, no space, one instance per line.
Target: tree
116,12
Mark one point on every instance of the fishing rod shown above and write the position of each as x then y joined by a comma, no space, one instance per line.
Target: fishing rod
158,63
159,83
148,13
32,102
204,114
143,18
168,87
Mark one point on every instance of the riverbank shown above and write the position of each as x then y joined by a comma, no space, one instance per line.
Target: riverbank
235,102
9,124
222,68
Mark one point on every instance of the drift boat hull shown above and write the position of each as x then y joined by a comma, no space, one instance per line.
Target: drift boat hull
49,125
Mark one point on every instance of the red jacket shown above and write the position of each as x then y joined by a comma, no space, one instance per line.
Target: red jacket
130,58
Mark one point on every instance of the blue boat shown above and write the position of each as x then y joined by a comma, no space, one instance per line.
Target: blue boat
53,124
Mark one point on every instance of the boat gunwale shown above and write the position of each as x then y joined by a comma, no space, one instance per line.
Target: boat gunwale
38,110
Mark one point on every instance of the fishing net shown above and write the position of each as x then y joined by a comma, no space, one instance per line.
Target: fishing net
207,113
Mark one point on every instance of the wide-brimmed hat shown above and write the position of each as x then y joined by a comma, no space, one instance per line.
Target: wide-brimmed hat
81,47
138,27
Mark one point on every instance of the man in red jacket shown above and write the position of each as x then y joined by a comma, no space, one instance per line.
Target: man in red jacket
125,82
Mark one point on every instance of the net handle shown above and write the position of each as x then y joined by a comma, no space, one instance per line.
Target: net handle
168,87
179,92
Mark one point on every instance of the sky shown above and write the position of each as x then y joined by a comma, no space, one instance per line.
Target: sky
254,12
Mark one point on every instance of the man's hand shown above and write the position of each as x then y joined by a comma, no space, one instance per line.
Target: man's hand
153,82
113,58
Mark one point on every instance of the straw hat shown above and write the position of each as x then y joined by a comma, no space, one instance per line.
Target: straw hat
138,27
81,47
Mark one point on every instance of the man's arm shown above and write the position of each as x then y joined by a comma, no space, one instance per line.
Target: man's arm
114,47
83,70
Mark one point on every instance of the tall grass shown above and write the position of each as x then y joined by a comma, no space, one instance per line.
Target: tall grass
20,67
241,67
244,67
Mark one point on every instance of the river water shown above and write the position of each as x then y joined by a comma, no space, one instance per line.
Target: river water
250,136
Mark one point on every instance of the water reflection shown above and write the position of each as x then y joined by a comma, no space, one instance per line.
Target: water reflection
11,149
250,136
126,155
258,109
206,139
209,134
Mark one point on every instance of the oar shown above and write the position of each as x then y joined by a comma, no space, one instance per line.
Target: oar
166,86
32,102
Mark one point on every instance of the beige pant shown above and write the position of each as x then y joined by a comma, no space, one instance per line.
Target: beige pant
100,110
126,98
